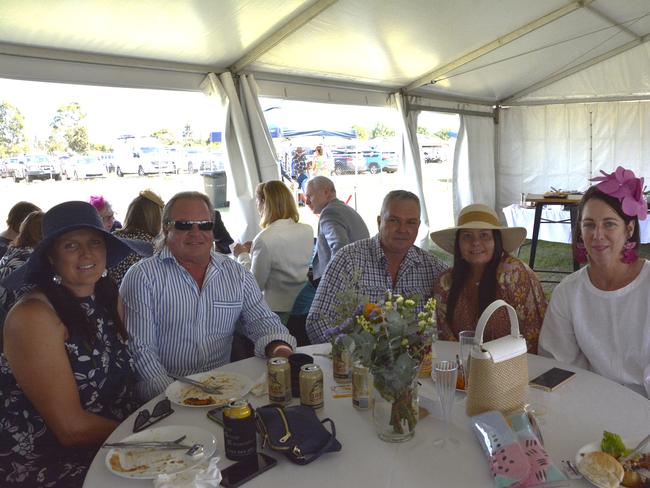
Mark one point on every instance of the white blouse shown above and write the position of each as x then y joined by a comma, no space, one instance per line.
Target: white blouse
605,331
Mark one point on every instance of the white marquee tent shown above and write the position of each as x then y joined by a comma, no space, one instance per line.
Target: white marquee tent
549,92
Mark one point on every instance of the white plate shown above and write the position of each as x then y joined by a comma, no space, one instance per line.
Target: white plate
595,446
234,386
161,462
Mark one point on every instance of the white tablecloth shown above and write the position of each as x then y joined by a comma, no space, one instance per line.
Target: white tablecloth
517,216
576,414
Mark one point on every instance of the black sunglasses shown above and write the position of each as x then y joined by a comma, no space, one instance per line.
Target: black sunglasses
187,224
161,410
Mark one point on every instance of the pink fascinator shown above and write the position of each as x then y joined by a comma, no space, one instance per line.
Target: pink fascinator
625,186
97,202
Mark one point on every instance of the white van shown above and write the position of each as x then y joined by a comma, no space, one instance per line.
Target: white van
141,155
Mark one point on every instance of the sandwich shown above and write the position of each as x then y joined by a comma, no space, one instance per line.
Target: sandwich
601,469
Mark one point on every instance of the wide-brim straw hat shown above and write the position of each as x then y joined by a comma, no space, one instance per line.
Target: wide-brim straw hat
479,216
66,217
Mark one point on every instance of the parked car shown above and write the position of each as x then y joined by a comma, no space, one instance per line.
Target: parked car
35,167
348,160
193,159
81,167
215,161
142,156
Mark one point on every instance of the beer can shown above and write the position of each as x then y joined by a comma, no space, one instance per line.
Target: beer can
360,387
311,386
279,374
341,364
239,433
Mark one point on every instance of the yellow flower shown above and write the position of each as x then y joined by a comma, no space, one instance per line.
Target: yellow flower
409,303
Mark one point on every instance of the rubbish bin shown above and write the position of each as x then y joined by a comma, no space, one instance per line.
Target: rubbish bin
215,187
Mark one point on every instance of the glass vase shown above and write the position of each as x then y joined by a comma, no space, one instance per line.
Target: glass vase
395,417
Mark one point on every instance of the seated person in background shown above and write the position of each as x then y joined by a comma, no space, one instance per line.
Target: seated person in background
182,304
338,224
143,222
66,374
485,271
386,262
31,233
279,256
222,239
16,216
106,213
598,317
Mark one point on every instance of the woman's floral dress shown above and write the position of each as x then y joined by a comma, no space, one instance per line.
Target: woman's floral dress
517,285
30,455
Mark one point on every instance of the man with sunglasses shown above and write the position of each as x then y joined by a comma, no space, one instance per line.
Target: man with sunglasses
182,304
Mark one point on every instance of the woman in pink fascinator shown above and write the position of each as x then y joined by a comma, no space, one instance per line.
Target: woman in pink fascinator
599,317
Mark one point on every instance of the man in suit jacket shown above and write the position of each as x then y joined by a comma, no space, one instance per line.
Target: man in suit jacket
339,224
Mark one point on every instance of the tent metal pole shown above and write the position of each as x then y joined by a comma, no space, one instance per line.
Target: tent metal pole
447,110
432,76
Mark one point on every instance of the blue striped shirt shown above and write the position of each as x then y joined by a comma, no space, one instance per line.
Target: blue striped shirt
365,260
178,328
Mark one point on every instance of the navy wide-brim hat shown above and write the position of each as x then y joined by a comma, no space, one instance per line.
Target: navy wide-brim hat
66,217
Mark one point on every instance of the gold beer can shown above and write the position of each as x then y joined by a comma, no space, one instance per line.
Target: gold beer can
360,387
279,374
311,386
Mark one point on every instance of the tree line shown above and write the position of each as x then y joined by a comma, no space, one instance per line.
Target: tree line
69,133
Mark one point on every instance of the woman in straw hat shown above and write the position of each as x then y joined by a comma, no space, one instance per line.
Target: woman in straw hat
599,316
483,271
66,372
143,222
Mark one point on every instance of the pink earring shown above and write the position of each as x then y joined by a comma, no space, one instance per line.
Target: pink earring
629,252
580,252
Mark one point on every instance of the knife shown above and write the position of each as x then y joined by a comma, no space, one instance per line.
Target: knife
208,389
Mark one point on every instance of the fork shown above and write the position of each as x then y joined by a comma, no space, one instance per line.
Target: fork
570,469
208,389
174,443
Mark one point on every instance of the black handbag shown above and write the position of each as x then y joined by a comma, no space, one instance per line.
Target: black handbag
297,432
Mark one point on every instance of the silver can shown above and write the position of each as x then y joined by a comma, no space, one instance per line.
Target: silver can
311,386
279,374
360,387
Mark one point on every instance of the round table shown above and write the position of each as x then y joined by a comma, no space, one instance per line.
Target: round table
570,417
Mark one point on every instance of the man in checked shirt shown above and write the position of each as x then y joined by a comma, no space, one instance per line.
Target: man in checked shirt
389,261
182,304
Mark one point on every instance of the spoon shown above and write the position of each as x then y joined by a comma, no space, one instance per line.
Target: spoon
195,451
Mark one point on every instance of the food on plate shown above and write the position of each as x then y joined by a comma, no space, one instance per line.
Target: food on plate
556,194
601,469
632,479
613,444
146,460
232,386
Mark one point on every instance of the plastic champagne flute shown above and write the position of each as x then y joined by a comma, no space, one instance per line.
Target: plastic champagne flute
445,373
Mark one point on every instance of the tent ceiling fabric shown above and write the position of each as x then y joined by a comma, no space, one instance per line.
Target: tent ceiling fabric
382,45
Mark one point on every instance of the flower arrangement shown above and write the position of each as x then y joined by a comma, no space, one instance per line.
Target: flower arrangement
391,339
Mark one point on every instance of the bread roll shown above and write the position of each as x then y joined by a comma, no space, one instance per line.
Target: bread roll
601,469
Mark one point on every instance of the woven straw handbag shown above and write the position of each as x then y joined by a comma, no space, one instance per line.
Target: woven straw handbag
498,370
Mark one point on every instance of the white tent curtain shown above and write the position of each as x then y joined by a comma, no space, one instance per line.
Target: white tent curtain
474,168
250,150
411,164
564,145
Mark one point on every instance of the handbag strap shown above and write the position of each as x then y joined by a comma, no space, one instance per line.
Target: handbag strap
487,313
325,446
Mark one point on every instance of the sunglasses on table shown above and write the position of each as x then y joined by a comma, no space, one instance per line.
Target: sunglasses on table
146,419
187,224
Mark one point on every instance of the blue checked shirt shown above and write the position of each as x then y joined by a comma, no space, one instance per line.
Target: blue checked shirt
365,259
178,328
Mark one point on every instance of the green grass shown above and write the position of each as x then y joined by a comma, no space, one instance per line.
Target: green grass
554,257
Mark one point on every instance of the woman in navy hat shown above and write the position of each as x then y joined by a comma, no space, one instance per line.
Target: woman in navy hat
66,373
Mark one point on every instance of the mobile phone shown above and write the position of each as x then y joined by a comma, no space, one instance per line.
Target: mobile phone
552,379
242,471
216,415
